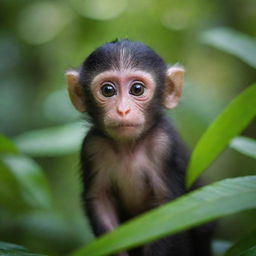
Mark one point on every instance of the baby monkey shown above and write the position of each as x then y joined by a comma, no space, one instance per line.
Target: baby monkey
132,159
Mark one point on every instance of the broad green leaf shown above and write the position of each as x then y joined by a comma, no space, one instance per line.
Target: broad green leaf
6,146
53,225
203,205
242,245
52,141
244,145
27,179
10,196
9,249
249,252
227,125
233,42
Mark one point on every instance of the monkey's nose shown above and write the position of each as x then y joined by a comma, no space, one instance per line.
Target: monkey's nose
123,112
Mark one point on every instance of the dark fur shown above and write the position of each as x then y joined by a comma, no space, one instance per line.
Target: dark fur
194,242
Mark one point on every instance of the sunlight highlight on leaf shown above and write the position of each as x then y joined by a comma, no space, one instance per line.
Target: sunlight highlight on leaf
244,145
233,42
29,180
9,249
54,141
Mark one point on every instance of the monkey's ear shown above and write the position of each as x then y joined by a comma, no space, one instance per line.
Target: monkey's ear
75,90
174,84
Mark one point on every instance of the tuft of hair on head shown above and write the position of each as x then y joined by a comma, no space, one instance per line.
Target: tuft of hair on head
119,40
115,40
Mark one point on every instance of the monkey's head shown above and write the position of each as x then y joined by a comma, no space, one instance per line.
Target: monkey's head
122,86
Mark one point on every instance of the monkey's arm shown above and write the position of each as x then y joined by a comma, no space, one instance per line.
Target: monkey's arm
97,198
101,213
98,201
98,204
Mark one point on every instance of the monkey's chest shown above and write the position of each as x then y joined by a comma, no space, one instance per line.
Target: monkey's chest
132,184
135,178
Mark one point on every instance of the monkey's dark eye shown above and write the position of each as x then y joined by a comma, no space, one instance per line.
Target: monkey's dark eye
137,89
108,90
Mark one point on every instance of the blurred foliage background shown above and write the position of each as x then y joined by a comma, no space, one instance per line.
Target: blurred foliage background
39,40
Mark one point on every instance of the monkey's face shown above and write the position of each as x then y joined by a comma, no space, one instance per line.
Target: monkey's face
123,98
123,85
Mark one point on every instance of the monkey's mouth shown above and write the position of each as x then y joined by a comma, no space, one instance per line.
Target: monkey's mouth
125,130
119,127
124,125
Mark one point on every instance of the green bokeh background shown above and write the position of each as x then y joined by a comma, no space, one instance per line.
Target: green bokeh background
39,40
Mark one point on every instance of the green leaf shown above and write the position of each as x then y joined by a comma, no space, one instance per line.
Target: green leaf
9,190
249,252
227,125
244,145
233,42
219,247
54,141
203,205
6,253
25,178
6,146
9,249
242,245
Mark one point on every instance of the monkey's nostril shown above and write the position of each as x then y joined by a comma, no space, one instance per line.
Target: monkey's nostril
122,112
127,111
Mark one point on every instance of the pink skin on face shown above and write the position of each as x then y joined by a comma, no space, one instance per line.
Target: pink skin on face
125,108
